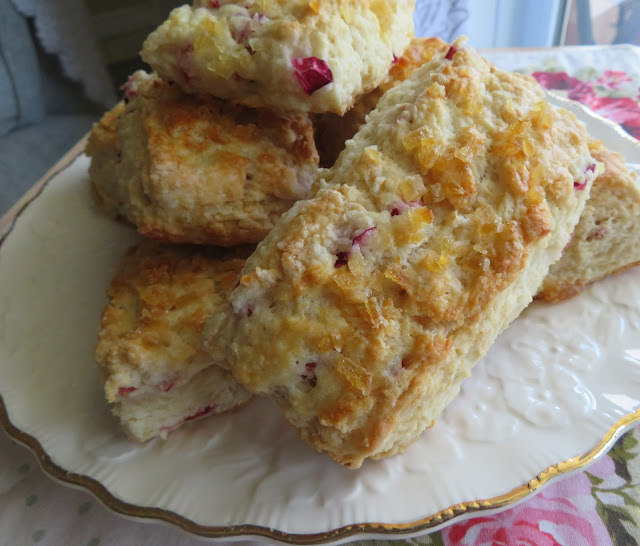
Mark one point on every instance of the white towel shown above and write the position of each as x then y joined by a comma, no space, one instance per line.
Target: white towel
64,28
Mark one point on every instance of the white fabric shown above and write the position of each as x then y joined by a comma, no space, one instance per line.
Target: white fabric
445,19
64,28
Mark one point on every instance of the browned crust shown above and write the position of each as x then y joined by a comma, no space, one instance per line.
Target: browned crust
195,169
332,130
392,331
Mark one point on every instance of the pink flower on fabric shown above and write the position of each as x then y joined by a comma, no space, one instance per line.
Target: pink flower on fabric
545,520
556,80
576,89
583,93
605,469
633,127
481,531
614,79
621,110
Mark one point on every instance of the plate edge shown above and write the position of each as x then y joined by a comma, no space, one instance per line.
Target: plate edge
428,523
8,219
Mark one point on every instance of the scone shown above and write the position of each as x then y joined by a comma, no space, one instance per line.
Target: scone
607,238
332,130
367,305
303,55
102,147
149,346
192,169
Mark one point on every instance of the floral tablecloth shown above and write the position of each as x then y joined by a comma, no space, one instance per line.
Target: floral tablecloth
599,505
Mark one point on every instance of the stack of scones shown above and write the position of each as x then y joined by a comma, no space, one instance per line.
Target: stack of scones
406,197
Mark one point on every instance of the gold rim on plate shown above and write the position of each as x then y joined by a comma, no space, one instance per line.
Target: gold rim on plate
430,523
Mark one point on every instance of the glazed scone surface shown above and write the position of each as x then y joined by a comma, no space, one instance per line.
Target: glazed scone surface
366,306
332,130
198,170
303,55
607,238
159,301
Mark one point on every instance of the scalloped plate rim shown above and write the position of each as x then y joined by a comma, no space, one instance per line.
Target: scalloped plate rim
435,522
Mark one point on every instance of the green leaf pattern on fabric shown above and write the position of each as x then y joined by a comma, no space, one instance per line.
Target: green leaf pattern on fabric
620,511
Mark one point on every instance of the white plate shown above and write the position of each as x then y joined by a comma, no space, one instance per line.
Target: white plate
556,390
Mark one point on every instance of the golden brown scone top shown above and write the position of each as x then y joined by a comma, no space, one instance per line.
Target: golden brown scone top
352,313
616,172
194,169
293,55
198,136
332,131
106,130
104,150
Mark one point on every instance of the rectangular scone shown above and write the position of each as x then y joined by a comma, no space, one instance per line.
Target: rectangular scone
149,346
367,305
607,238
189,169
302,55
